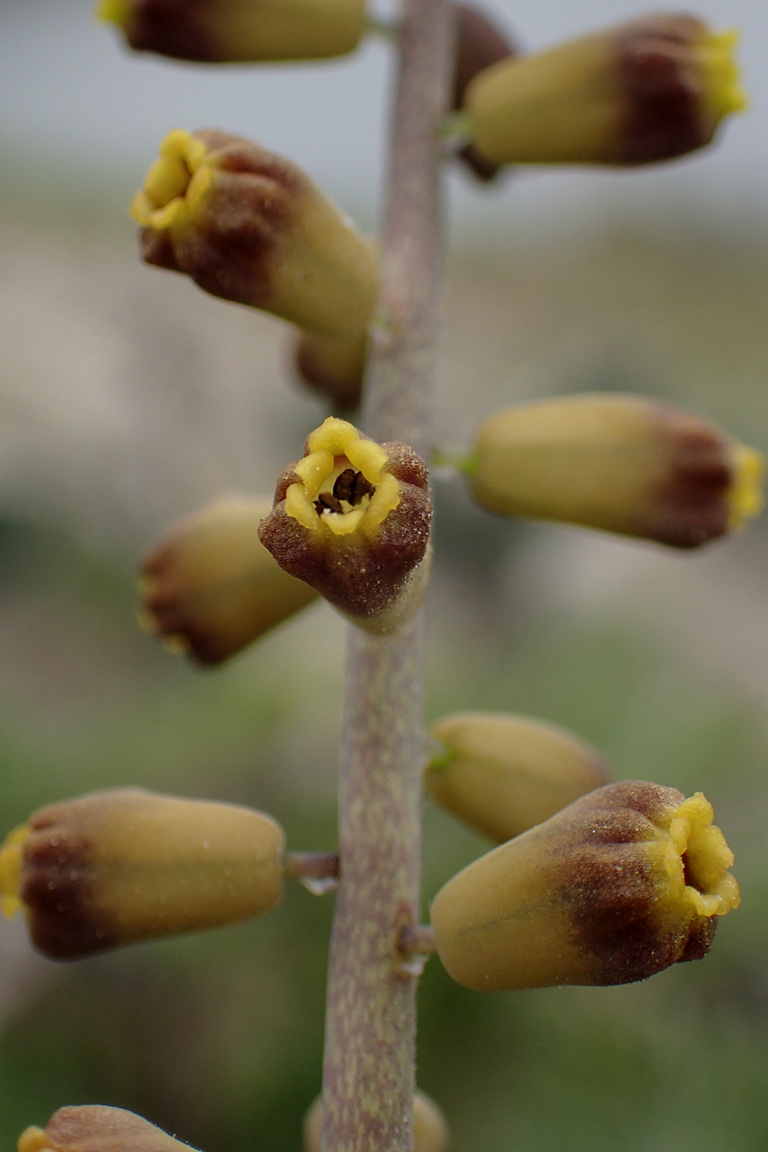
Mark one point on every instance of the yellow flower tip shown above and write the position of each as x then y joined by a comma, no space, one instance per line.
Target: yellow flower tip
114,12
724,93
746,495
327,497
10,871
35,1140
175,183
698,860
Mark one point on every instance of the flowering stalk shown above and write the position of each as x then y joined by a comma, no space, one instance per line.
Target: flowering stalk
368,1073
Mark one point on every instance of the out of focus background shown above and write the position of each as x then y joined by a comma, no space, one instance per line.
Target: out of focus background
128,398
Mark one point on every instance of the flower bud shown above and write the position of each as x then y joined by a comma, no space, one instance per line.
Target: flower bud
352,518
619,463
210,586
224,31
249,226
624,882
116,867
479,44
504,774
333,367
649,90
93,1128
430,1130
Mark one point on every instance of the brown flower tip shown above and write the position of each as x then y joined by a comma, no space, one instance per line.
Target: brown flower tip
618,463
332,367
117,867
479,43
649,90
249,226
226,31
352,518
503,774
430,1130
210,587
624,882
94,1128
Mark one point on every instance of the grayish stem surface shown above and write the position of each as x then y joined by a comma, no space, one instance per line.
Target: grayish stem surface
368,1074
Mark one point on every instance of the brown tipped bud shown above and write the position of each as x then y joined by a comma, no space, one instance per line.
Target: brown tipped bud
430,1130
352,518
224,31
93,1128
624,882
479,44
504,774
618,463
210,587
249,226
333,367
117,867
649,90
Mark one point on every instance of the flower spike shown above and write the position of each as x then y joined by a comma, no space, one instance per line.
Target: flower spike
249,226
624,882
352,518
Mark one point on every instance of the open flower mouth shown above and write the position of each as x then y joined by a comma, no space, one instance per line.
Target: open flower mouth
343,485
697,859
175,182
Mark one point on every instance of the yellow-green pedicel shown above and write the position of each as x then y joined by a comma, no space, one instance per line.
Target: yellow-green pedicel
352,519
249,226
210,587
116,867
93,1128
223,31
624,882
430,1130
649,90
619,463
502,774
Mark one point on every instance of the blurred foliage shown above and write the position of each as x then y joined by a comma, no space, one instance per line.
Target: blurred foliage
219,1038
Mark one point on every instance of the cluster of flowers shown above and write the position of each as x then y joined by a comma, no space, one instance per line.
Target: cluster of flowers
593,881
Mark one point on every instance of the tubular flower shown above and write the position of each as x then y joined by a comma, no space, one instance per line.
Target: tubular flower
93,1128
210,587
430,1130
352,518
224,31
116,867
504,774
649,90
249,226
618,463
624,882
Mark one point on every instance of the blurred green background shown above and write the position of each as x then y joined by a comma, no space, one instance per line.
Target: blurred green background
127,399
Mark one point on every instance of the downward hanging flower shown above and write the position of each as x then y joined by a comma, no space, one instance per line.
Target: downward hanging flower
249,226
649,90
624,882
223,31
619,463
352,519
117,867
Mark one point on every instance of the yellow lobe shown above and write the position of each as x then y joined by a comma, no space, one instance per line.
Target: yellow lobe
174,184
10,871
701,858
35,1140
724,91
746,496
114,12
